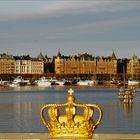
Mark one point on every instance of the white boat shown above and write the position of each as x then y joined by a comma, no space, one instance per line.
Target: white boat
60,83
3,83
85,83
19,81
57,82
133,82
43,82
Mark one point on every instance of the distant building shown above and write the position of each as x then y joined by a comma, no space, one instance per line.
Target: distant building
85,64
48,64
37,66
133,66
107,65
7,64
81,64
28,65
41,57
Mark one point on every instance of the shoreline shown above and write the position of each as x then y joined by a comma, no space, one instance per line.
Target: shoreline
44,136
31,88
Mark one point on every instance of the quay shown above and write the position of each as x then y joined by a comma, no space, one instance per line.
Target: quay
45,136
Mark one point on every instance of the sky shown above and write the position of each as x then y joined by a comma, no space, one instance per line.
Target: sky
96,27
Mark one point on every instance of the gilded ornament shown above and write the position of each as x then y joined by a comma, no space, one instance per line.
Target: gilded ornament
71,124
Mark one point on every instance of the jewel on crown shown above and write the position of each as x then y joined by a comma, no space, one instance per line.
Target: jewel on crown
71,124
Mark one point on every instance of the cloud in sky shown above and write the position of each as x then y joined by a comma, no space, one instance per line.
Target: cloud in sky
26,9
72,26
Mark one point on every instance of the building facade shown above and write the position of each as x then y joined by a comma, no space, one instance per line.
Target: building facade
37,66
133,67
78,65
7,64
82,64
28,65
85,64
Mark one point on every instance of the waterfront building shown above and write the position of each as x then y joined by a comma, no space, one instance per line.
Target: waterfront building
28,65
85,64
107,65
48,64
37,66
122,69
133,67
7,64
81,64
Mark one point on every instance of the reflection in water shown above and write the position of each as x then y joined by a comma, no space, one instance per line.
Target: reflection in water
17,113
128,107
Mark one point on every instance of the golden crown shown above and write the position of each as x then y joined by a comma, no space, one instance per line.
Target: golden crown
70,124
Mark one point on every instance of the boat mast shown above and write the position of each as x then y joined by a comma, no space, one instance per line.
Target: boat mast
124,76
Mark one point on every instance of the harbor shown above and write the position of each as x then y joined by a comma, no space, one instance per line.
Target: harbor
69,70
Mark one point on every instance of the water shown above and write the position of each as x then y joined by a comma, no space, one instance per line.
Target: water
19,108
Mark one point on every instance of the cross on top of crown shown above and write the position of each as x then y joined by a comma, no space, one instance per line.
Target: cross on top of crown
70,91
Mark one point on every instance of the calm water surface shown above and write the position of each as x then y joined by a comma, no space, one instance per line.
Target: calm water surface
20,107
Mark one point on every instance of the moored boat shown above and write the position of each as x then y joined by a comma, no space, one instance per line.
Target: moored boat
57,82
4,83
19,81
133,82
43,82
85,83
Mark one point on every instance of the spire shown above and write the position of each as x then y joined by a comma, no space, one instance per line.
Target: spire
40,56
113,55
59,54
134,56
